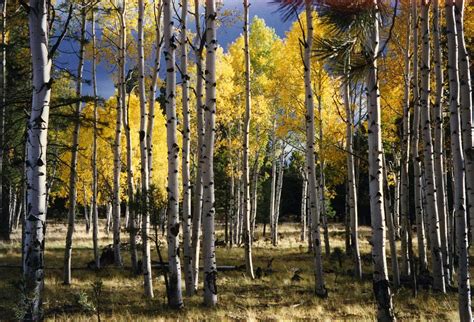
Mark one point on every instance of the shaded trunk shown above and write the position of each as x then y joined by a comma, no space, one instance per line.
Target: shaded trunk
198,188
279,188
420,228
304,195
5,221
464,289
74,153
187,260
352,184
246,173
144,167
431,192
439,167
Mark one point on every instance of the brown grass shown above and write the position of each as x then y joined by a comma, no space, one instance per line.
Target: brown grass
273,297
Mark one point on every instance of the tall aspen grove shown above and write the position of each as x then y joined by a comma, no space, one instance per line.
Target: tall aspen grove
236,160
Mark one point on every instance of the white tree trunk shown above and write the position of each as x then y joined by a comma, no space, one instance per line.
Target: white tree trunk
198,188
322,178
144,167
405,232
208,211
121,102
465,100
310,156
431,192
380,277
273,182
175,296
420,228
36,143
465,312
279,188
187,260
304,195
352,183
74,153
95,213
439,167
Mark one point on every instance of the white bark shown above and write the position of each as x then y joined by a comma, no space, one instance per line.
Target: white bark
208,211
74,153
380,276
273,182
439,167
310,156
198,188
34,225
304,195
352,183
144,168
279,189
431,193
187,260
420,228
175,296
464,289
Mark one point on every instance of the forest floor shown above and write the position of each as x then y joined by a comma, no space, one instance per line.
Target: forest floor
274,296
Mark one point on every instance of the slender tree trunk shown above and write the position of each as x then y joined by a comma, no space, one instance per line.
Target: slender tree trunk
157,10
246,173
352,184
404,166
439,167
390,228
129,209
322,180
431,192
396,198
310,156
210,268
121,105
420,228
465,312
175,296
74,153
95,212
232,206
36,143
465,100
273,182
198,188
279,188
108,218
304,194
144,168
4,219
187,260
381,284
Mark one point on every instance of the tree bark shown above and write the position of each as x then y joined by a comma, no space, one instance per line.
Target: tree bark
420,227
208,230
380,276
175,296
187,260
304,194
431,192
351,183
5,221
246,174
310,156
198,188
464,289
439,167
74,152
144,166
36,143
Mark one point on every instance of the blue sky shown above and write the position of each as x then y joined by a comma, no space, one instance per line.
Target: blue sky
225,34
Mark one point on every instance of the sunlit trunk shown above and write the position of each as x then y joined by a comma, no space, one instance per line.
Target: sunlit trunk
174,292
208,211
381,284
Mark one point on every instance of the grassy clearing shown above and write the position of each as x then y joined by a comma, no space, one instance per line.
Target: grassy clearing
274,296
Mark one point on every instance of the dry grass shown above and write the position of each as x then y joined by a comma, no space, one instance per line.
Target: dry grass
271,297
